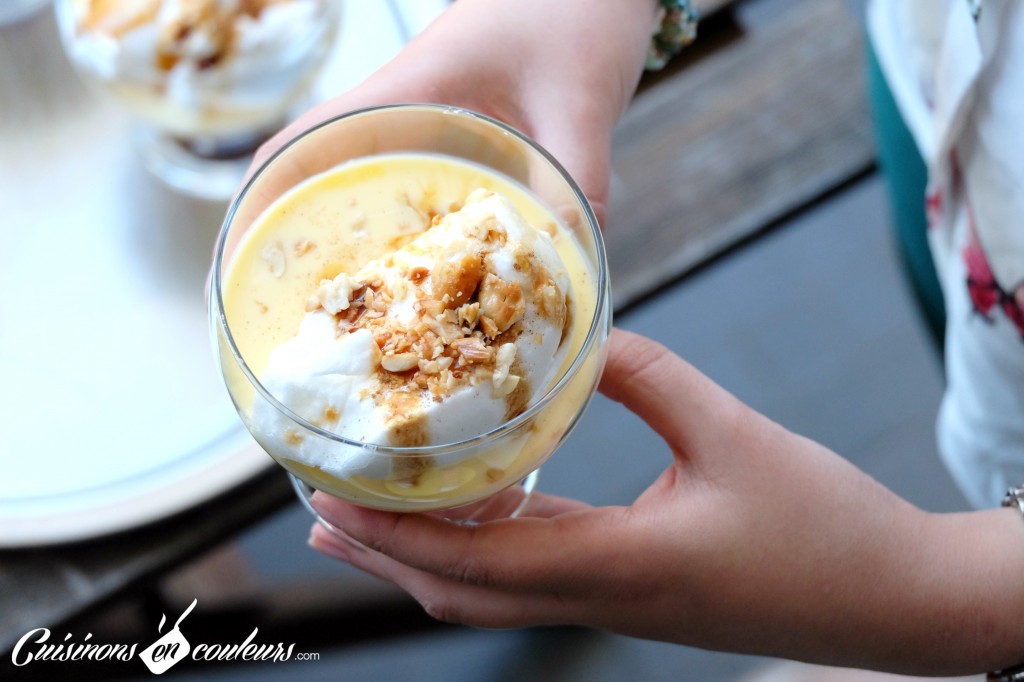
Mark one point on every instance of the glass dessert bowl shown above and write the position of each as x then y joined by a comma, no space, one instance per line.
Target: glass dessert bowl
210,79
409,306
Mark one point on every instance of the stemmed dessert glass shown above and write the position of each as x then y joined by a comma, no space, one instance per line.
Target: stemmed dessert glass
510,453
209,83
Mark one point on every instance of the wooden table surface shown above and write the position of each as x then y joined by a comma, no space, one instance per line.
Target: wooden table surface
764,116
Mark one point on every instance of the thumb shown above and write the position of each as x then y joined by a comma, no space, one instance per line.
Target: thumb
688,410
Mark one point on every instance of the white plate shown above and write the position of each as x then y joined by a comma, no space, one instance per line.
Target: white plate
113,413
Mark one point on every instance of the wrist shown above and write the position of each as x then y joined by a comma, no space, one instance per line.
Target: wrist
976,589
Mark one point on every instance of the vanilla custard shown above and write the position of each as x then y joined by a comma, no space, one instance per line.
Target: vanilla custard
410,301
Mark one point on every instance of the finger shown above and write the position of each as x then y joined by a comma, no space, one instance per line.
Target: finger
541,505
587,161
525,554
446,600
686,408
511,501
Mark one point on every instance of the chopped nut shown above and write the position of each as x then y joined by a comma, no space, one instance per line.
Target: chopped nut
337,294
402,362
488,327
469,313
457,278
399,289
507,385
431,307
472,350
502,301
549,300
503,360
302,247
429,366
273,256
502,381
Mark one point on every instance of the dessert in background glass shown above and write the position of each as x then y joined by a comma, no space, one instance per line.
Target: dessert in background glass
447,222
210,79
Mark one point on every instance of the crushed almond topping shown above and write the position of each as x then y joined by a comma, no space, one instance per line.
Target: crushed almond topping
504,382
455,323
472,350
502,301
490,329
506,387
402,362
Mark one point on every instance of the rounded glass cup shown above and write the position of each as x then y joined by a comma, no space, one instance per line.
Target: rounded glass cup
208,85
478,475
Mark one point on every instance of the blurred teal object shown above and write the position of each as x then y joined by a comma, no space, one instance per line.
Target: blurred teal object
906,178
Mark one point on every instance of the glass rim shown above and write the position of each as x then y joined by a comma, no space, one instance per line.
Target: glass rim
596,323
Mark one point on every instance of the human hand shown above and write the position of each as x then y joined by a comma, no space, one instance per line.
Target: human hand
753,540
533,64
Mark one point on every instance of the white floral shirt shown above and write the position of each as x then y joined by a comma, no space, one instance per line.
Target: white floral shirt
956,69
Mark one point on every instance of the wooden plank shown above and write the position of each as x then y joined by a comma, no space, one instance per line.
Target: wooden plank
770,118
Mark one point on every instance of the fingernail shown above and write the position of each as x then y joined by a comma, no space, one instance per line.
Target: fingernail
335,512
326,546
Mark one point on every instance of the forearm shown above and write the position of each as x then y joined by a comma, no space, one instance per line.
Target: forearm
972,590
867,580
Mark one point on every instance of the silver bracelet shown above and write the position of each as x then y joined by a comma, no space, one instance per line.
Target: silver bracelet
1014,498
676,28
